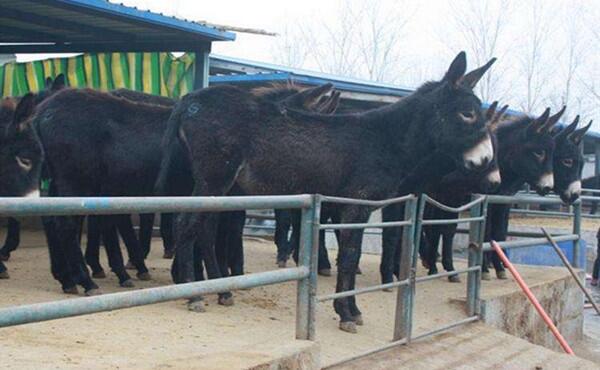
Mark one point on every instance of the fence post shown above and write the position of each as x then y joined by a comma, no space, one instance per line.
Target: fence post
404,304
577,230
476,235
308,256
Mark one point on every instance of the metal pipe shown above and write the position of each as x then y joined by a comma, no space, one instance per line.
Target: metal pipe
577,231
475,257
529,242
465,207
304,311
54,206
364,226
536,304
565,262
523,199
363,202
446,327
447,273
82,306
359,291
451,221
367,353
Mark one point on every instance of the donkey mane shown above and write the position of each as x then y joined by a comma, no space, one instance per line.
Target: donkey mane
508,126
276,90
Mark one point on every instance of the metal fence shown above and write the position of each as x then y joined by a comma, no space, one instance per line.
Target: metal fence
306,271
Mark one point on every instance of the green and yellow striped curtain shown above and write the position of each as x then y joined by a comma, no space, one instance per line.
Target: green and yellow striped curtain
153,73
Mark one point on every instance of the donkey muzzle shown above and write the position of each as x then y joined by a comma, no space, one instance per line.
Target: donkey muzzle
479,156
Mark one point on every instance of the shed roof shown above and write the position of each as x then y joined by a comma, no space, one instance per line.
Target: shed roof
97,25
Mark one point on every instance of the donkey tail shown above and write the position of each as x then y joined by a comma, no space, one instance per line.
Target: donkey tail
170,146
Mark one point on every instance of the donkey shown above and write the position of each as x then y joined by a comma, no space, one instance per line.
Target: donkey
233,137
568,161
13,226
93,142
461,189
526,155
21,153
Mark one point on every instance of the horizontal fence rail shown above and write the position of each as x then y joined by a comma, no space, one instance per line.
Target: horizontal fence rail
122,205
86,305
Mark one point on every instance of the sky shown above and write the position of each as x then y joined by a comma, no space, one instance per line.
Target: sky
428,35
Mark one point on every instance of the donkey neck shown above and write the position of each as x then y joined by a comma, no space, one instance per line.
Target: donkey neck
508,141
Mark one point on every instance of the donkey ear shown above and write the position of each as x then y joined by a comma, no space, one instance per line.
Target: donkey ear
537,124
331,104
491,111
58,83
309,97
552,120
568,130
23,110
578,135
456,70
48,82
471,78
497,118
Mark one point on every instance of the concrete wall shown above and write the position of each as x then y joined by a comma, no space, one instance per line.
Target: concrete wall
562,300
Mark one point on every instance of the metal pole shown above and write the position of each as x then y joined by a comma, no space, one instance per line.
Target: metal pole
305,300
565,261
201,70
577,231
476,233
402,315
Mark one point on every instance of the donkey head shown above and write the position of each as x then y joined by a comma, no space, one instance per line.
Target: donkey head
528,149
52,86
491,179
21,153
459,124
568,161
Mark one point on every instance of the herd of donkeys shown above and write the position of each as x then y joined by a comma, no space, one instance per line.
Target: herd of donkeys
225,140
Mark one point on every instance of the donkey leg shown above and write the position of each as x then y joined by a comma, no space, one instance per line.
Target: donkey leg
145,233
113,250
324,266
92,250
282,229
447,252
13,236
350,248
235,243
136,255
3,271
166,232
67,231
295,238
431,238
221,241
390,240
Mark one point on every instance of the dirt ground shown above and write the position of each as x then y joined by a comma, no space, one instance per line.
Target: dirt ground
168,335
590,224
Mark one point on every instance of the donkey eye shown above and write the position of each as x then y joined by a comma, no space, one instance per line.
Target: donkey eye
24,163
540,154
468,116
568,162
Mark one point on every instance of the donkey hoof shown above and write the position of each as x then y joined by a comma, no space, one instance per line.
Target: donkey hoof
129,266
4,275
388,290
93,292
196,306
99,274
454,279
348,327
4,257
486,276
144,276
71,290
501,275
325,272
281,264
168,255
425,264
226,301
358,320
358,271
127,283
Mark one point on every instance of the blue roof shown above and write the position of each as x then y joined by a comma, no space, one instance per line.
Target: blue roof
97,25
264,72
